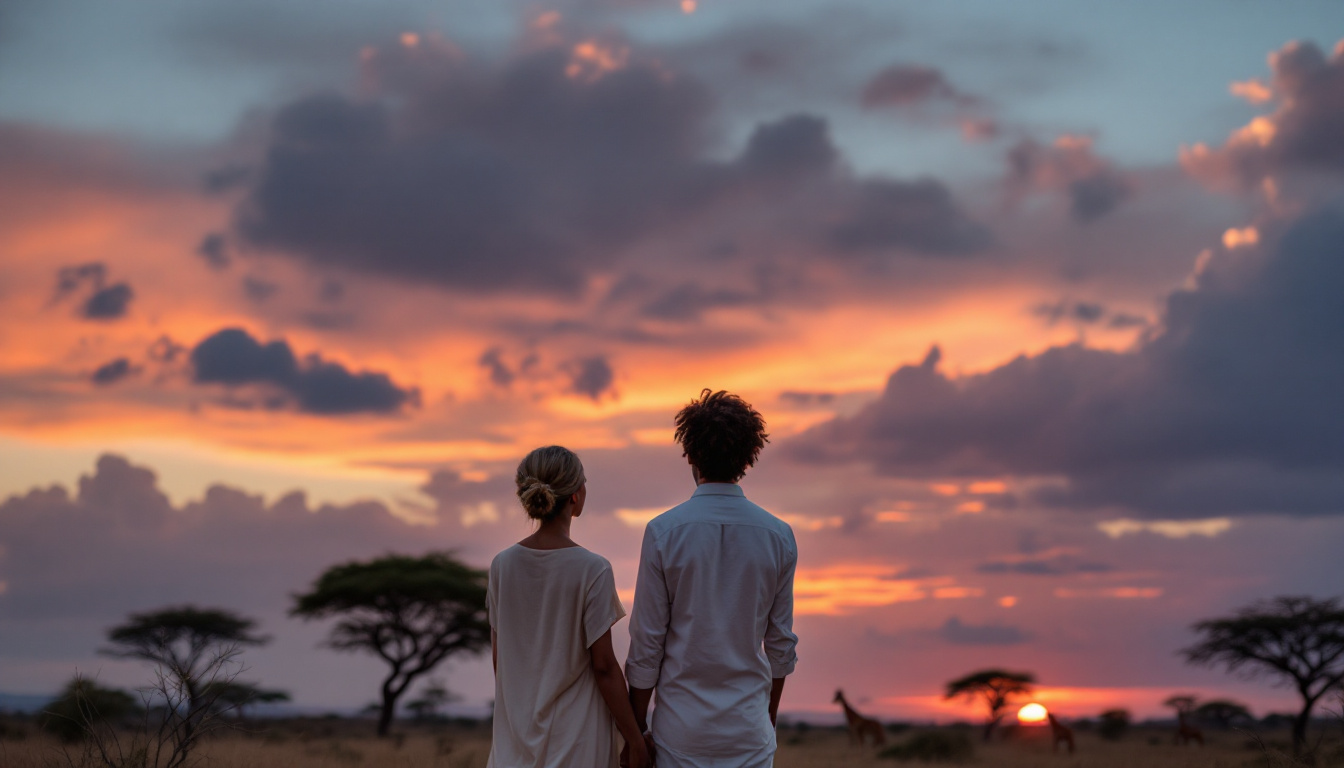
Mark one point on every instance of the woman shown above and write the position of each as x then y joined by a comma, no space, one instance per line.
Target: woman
558,686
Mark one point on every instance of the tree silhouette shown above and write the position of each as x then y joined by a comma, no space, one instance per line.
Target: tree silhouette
185,642
432,698
84,705
231,695
1223,712
1298,640
411,612
1183,703
1113,724
995,686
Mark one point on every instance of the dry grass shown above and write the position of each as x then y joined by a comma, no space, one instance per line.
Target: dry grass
341,746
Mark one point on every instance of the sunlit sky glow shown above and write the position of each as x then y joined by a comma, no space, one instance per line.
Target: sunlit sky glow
1039,301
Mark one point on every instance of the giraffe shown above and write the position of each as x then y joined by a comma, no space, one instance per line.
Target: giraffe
1185,732
860,726
1061,733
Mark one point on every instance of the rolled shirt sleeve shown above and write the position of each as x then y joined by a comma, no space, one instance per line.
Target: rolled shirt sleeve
780,641
649,618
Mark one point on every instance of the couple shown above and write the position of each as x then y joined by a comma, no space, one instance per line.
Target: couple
711,632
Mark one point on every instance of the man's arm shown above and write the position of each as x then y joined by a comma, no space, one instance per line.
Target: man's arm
639,701
780,642
776,693
649,619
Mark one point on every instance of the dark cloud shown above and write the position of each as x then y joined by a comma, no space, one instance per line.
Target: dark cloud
1049,565
806,398
591,377
103,302
791,145
112,372
920,216
511,178
233,358
1093,186
1305,134
957,633
212,249
257,289
500,373
1233,407
108,303
1126,320
689,301
1083,312
224,179
531,173
905,84
70,280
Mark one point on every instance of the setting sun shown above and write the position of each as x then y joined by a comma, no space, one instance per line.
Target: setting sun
1031,714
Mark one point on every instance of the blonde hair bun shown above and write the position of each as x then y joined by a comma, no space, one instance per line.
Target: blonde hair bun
538,498
546,478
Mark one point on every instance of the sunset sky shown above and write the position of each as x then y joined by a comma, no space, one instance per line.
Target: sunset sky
1043,303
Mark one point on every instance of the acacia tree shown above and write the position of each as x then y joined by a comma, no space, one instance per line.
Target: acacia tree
412,612
995,686
1223,712
235,696
1298,641
190,645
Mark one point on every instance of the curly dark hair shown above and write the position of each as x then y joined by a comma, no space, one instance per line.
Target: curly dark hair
722,435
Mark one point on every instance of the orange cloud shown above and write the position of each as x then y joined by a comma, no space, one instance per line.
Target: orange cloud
841,589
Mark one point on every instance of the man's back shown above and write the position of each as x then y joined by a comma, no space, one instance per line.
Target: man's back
715,583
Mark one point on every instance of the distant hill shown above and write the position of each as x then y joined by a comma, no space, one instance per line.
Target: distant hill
24,702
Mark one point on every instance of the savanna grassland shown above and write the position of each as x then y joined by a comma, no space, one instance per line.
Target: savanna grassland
333,746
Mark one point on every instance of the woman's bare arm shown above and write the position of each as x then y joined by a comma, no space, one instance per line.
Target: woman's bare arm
611,683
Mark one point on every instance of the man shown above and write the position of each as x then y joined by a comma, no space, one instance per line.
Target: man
711,630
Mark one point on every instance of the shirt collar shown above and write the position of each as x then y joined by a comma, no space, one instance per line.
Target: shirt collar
718,489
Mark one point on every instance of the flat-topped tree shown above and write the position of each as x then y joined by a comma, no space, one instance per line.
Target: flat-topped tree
413,612
185,641
996,687
1223,712
1298,640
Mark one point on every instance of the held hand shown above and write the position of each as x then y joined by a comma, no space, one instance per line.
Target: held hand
648,745
636,755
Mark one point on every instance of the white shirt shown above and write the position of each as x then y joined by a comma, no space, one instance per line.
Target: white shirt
547,607
712,622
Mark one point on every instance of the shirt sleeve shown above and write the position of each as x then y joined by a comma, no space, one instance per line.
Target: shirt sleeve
649,619
601,606
780,641
492,595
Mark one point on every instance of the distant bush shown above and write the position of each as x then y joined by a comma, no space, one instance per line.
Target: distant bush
1114,723
941,746
83,704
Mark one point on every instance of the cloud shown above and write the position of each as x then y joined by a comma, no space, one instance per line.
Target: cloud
957,633
113,371
920,215
500,373
233,358
906,84
108,303
1304,134
1057,564
214,251
1232,407
532,173
592,377
103,302
1093,186
76,560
